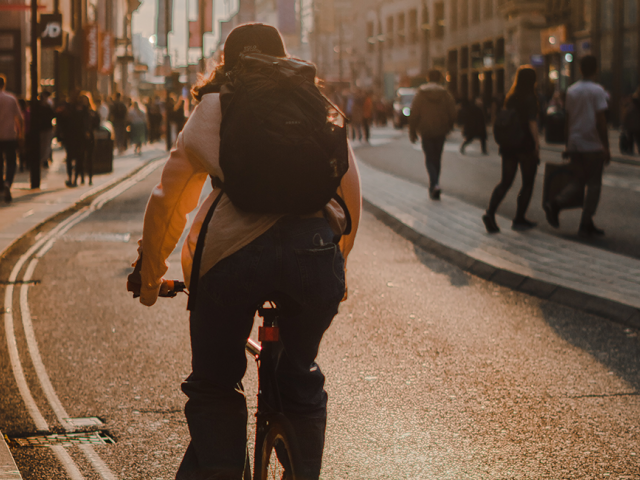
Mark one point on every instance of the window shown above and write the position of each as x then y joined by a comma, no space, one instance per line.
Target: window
413,27
371,39
475,11
439,20
606,15
464,57
464,13
488,8
453,23
401,30
426,26
630,13
389,32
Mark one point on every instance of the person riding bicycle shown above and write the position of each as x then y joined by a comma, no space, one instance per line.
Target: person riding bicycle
247,258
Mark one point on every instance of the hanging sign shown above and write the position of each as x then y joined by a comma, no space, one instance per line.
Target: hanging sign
91,46
51,30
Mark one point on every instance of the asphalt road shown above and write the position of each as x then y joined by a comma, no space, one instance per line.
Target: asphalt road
431,373
472,177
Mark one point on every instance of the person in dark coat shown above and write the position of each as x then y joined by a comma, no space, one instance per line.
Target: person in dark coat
631,121
474,125
525,156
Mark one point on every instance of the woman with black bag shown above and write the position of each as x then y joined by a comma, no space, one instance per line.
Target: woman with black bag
526,154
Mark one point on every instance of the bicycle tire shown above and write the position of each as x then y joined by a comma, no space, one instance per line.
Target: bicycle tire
277,454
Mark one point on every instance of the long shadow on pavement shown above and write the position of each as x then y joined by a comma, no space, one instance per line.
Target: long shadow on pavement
614,346
457,277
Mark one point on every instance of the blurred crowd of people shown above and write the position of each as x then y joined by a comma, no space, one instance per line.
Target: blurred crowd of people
79,122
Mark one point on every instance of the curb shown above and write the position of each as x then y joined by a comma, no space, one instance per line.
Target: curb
8,467
82,199
614,157
615,311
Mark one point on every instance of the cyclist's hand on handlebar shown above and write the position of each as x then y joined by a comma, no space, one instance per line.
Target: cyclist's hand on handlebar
134,280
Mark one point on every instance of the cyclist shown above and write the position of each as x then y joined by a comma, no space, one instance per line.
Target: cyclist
247,258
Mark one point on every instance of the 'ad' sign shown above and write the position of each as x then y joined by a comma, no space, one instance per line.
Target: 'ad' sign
51,30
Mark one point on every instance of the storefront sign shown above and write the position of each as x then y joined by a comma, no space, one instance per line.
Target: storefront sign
91,46
51,30
537,60
552,38
106,52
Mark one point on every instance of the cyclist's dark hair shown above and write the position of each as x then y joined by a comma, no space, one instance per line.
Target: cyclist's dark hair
524,84
3,81
251,37
588,65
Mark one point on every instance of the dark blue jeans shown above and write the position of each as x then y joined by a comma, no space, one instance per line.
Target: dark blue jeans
432,148
296,260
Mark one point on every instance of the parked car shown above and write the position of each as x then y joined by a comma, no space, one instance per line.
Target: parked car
402,106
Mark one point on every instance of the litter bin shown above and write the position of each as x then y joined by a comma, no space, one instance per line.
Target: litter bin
102,151
554,126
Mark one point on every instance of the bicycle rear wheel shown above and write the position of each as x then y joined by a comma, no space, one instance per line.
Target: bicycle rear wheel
277,457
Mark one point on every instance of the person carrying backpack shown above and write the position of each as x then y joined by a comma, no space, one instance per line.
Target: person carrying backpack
252,247
433,114
516,131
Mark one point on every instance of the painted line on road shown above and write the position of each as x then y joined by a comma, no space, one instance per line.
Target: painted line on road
39,249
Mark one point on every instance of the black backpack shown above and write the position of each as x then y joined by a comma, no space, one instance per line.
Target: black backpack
507,129
280,149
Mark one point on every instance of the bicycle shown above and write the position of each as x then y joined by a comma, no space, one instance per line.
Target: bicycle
276,450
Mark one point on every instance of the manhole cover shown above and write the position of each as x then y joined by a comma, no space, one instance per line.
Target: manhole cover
63,439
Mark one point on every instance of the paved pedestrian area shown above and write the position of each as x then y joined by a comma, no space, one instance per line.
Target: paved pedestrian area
32,207
532,261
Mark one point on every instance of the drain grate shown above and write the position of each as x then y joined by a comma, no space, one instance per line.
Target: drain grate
63,439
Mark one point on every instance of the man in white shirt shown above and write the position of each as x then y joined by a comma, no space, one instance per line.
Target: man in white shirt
11,128
587,145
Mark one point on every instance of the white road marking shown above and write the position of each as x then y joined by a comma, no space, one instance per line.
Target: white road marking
38,250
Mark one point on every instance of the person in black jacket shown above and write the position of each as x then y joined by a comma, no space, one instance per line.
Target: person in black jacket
79,137
522,99
474,125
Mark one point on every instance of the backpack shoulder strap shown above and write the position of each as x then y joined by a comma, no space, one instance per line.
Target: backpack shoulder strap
347,230
197,255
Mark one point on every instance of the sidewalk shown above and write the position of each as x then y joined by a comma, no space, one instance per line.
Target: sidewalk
614,145
534,262
30,209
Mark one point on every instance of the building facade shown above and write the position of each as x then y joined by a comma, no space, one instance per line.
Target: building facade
478,44
93,53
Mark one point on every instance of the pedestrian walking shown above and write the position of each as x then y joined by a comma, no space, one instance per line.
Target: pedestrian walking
136,120
357,115
79,138
45,117
474,124
23,157
586,105
11,131
631,123
367,115
247,258
118,116
102,109
433,114
525,153
154,114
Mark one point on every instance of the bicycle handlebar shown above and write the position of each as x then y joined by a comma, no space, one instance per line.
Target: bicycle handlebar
168,289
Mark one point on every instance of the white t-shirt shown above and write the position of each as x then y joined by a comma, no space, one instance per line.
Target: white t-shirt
584,99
